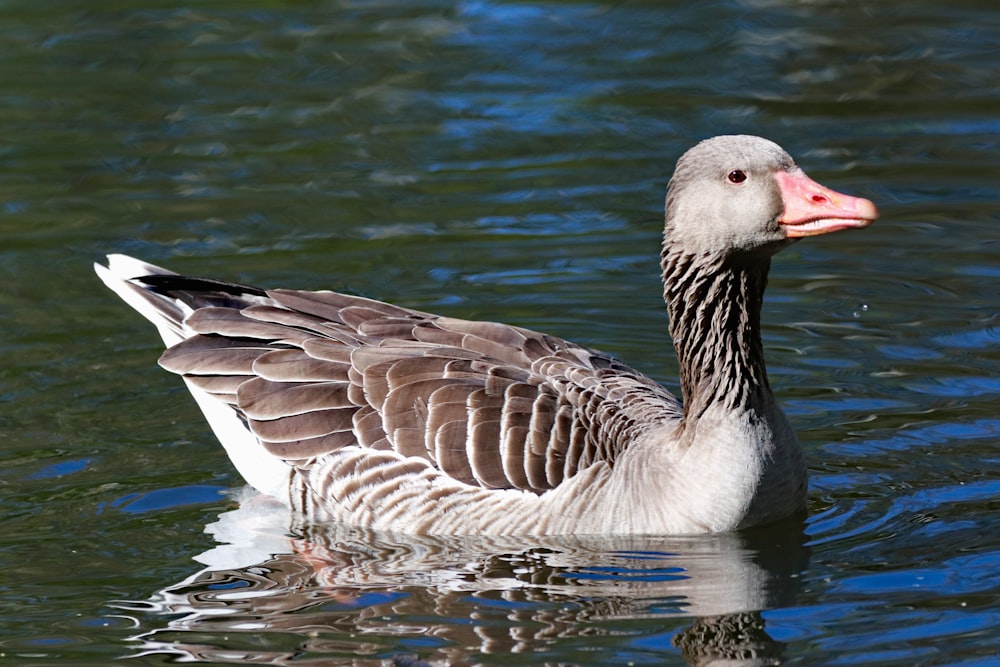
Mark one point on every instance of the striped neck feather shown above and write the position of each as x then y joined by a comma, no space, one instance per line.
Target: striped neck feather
714,303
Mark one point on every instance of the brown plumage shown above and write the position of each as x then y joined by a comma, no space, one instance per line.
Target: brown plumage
489,404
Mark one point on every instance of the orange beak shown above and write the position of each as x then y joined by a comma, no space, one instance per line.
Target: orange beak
811,209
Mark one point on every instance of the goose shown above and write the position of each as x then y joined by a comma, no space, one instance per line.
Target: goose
355,411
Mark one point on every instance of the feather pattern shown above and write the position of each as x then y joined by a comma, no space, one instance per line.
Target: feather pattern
364,412
467,397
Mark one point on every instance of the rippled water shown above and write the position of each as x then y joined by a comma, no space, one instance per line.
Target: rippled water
504,161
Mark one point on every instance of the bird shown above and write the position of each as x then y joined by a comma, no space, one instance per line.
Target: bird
355,411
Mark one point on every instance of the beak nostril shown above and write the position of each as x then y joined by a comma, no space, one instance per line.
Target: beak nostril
820,199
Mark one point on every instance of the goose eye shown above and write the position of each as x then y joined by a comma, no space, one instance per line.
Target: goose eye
737,176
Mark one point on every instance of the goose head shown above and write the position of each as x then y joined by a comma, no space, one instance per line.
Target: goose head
744,194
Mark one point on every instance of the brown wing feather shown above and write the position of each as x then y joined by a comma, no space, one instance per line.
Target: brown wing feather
484,437
303,426
448,429
211,356
296,366
538,448
489,404
309,448
222,387
368,428
263,399
231,322
284,316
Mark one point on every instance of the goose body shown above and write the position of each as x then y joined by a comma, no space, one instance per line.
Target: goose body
358,411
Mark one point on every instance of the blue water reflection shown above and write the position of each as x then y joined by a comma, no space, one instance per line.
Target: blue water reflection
507,161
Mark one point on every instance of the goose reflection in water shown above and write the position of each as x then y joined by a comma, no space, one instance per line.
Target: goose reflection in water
345,596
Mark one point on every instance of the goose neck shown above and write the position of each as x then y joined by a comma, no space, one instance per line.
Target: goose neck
714,304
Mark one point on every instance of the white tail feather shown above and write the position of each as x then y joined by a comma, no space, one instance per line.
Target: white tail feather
266,473
118,275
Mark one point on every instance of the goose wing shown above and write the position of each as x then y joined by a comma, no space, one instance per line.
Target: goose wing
487,404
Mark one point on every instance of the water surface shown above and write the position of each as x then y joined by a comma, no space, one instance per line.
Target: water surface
504,161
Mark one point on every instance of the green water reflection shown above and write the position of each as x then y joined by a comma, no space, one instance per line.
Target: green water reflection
506,161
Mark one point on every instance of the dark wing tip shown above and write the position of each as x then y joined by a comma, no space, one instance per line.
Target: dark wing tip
200,292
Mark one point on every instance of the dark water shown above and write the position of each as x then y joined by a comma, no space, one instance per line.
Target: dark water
504,161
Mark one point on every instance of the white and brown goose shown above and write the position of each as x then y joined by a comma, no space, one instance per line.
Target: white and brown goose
358,411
